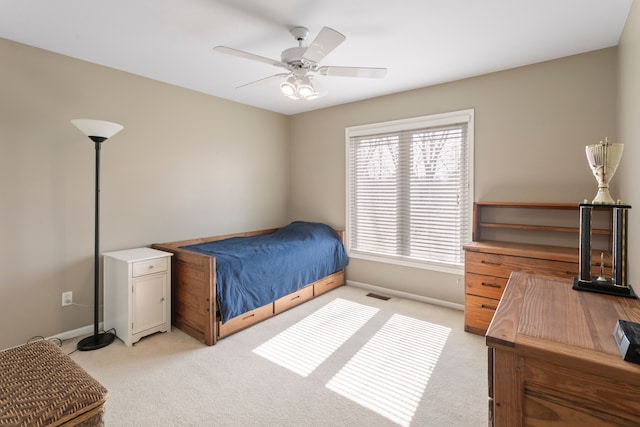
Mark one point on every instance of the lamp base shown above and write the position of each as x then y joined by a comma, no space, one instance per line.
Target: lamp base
604,288
95,342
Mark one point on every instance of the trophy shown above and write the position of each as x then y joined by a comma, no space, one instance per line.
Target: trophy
603,159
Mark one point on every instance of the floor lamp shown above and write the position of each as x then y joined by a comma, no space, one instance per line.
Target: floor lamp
98,131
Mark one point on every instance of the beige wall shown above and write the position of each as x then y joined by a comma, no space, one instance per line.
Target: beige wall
186,165
629,131
531,126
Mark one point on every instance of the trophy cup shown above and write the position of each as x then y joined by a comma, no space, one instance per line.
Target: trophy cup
604,159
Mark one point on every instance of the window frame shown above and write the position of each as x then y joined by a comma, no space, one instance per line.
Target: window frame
414,123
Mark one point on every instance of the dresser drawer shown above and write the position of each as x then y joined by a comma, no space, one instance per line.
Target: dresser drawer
484,286
293,299
478,313
503,265
142,268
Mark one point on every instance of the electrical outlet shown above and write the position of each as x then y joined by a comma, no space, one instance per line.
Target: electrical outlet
67,298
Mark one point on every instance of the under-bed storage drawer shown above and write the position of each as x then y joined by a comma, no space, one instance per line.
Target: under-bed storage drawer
245,320
328,283
293,299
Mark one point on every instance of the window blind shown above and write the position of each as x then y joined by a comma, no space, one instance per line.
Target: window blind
409,192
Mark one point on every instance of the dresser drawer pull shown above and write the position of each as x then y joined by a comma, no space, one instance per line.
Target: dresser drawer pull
249,316
490,263
294,298
490,307
491,285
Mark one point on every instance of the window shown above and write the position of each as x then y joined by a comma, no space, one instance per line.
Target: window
409,190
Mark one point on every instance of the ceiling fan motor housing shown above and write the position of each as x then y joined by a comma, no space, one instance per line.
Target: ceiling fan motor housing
293,55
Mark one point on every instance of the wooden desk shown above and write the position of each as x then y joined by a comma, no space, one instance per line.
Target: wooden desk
553,360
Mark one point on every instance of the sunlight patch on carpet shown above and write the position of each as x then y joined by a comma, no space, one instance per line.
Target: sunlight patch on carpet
390,372
305,345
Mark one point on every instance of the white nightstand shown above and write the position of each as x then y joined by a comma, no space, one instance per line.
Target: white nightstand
137,293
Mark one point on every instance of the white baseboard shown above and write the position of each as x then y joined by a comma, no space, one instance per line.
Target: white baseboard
406,295
85,330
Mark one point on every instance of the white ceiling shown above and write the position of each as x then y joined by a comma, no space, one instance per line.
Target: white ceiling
420,42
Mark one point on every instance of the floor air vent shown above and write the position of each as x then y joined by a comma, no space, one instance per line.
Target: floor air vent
378,296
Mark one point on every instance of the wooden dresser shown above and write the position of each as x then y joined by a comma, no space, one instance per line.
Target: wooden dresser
488,263
553,360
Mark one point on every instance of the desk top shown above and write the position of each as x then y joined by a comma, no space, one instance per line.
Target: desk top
544,317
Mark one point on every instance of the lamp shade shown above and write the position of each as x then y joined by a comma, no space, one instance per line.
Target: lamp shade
97,128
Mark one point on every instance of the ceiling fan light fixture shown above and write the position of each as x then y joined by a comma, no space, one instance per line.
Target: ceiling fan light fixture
305,87
312,96
288,87
299,87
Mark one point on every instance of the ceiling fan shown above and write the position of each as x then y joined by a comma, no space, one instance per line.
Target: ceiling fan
302,63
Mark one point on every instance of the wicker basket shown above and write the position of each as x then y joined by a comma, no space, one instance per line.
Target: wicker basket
40,385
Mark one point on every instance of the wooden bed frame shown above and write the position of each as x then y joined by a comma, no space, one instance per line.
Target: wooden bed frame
194,306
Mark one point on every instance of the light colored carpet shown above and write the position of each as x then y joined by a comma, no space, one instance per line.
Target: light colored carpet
342,359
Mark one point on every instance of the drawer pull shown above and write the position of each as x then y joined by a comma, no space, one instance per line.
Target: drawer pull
490,307
490,263
491,285
329,283
249,316
294,298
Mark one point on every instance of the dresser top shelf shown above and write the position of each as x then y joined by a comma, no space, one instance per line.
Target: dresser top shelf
527,221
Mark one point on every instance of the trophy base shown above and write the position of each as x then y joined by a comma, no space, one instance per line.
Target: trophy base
604,287
603,197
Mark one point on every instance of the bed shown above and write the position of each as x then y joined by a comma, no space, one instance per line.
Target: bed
222,284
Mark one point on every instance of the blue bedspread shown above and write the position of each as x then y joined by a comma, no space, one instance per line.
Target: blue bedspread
254,271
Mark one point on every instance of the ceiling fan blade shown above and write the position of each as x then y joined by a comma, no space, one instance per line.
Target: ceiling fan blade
247,55
264,80
373,73
327,40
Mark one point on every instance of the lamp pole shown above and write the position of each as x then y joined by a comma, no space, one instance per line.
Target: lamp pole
98,131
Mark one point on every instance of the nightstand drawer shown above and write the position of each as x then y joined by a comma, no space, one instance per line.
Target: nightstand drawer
142,268
478,313
484,286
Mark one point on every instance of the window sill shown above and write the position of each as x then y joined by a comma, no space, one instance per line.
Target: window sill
450,269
